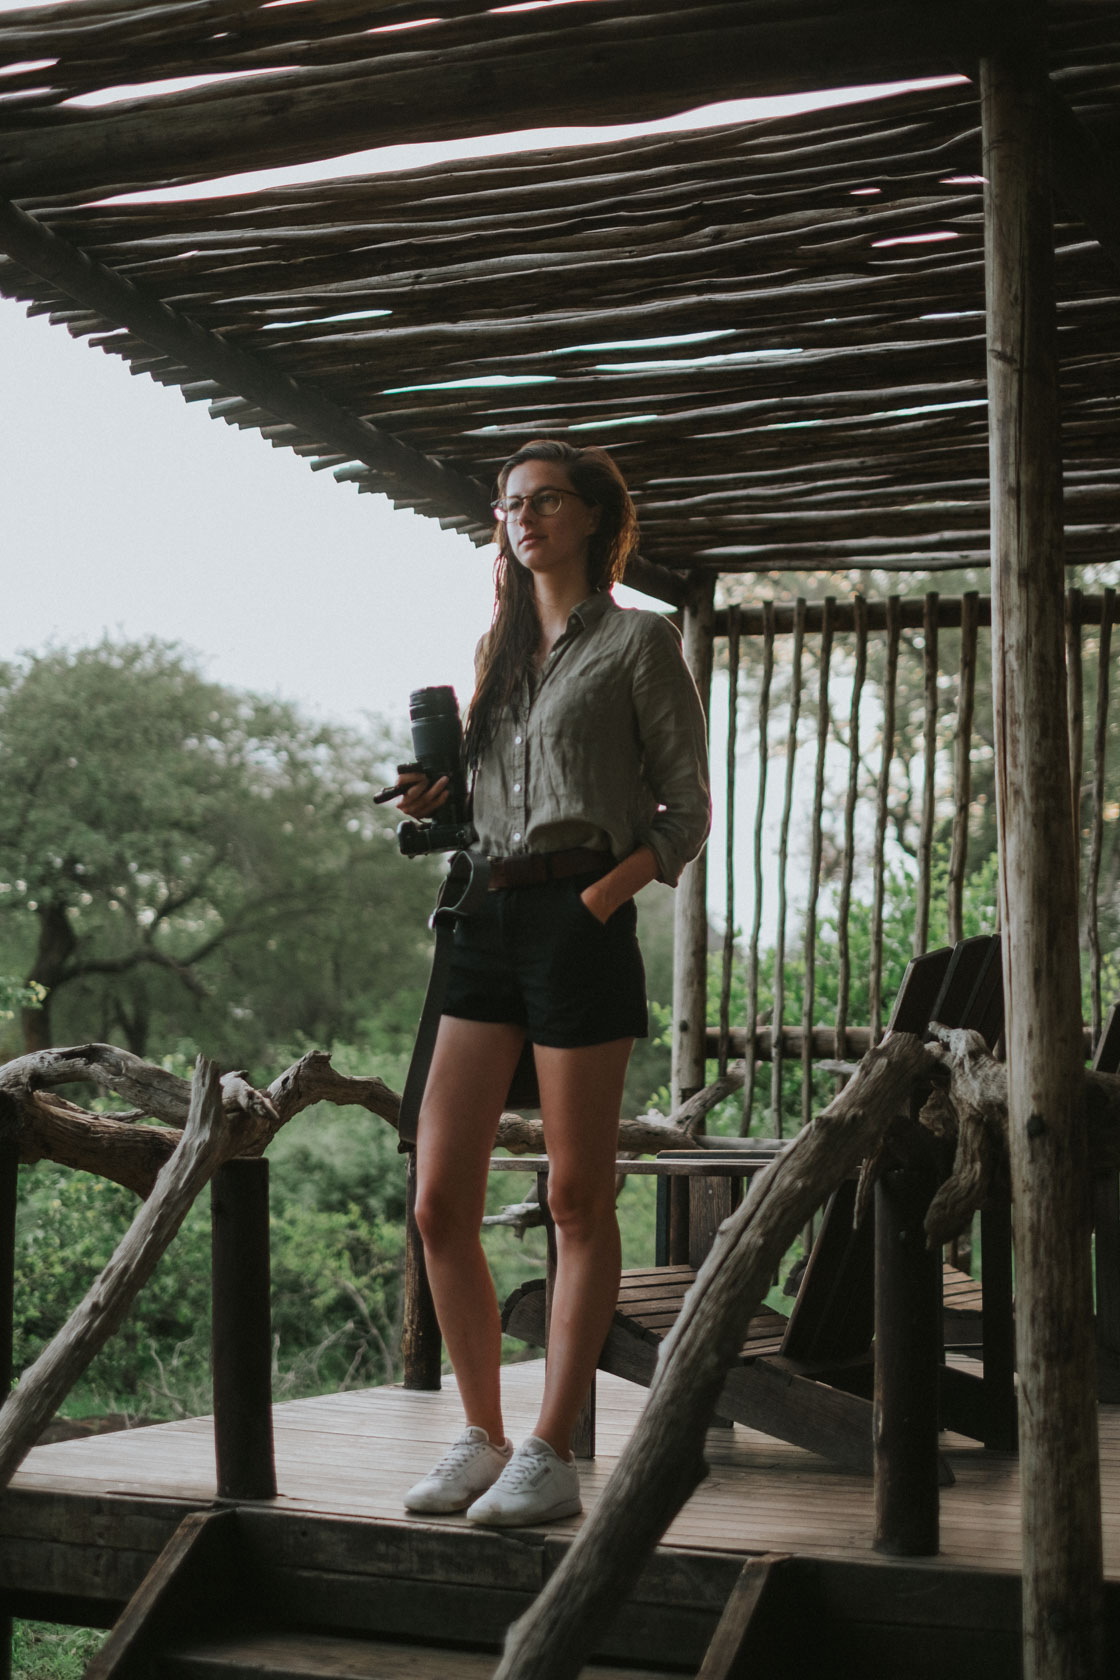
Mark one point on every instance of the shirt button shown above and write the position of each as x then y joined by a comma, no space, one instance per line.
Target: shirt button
517,787
517,837
517,740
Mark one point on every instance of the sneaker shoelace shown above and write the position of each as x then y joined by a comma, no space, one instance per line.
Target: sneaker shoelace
523,1469
459,1454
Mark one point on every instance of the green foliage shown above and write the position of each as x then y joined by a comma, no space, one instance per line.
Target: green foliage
337,1244
50,1651
183,863
15,996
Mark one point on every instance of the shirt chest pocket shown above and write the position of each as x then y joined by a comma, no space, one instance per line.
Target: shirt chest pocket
584,736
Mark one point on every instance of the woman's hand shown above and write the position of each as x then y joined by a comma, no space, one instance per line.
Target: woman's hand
604,896
601,909
422,799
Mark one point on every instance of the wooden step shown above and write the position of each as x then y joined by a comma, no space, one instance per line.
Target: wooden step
305,1656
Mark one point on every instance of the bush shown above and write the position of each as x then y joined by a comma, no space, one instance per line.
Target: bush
48,1651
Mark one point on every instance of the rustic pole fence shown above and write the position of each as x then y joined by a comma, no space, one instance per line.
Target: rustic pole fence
762,768
882,801
908,660
778,1046
816,842
728,956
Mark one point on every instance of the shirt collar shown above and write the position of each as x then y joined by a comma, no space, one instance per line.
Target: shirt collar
589,612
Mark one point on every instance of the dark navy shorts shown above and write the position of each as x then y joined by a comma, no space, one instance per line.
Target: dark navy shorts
535,957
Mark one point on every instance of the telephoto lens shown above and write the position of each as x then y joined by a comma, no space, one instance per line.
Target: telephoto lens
437,734
437,743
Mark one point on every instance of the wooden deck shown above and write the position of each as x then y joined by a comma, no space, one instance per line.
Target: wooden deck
353,1455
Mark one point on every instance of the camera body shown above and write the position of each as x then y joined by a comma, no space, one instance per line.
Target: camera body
437,742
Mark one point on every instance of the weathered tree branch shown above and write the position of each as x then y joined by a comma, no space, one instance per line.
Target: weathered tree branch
975,1109
211,1136
115,1147
967,1105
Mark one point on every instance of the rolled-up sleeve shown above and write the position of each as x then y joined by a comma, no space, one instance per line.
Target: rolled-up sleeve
674,740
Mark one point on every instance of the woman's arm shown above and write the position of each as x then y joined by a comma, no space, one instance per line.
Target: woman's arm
673,732
604,896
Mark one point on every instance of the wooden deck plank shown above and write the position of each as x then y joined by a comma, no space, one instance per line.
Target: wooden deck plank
353,1455
332,1658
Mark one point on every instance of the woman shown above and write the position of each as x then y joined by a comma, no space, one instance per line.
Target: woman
586,739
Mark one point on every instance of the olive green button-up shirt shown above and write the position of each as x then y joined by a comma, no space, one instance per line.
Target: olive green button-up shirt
605,747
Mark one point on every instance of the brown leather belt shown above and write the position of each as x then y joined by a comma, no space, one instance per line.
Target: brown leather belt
535,868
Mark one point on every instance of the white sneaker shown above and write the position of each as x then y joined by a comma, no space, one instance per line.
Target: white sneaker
473,1464
537,1485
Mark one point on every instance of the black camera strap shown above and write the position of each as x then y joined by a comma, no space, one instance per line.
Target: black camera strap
462,892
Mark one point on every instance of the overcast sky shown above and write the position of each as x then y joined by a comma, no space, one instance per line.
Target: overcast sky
125,510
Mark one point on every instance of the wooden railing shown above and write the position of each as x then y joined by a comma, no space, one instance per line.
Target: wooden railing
866,720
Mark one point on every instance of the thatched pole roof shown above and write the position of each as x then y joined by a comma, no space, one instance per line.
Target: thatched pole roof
778,326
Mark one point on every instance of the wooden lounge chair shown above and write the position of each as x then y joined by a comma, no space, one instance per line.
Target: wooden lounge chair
807,1378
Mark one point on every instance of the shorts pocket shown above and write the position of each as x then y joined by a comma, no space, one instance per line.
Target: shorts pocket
589,915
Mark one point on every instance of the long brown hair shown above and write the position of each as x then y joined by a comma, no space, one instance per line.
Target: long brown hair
516,627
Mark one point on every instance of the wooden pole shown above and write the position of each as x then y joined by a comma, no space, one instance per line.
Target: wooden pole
1060,1473
421,1341
690,925
907,1354
241,1330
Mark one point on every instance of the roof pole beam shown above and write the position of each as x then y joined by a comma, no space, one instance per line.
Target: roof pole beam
571,75
1059,1464
409,473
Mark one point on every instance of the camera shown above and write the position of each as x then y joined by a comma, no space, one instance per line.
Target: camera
437,743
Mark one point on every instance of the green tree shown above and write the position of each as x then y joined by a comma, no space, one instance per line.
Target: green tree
180,862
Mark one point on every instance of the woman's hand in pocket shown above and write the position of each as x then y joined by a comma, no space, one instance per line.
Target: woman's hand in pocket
594,899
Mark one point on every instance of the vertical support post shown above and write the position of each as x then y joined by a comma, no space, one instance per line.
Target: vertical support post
9,1185
1000,1426
421,1341
242,1330
929,770
690,925
1059,1459
907,1355
762,763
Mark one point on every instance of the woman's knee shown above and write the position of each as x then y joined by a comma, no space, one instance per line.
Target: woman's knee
442,1219
579,1209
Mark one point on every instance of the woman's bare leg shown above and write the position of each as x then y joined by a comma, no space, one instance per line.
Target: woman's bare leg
471,1070
581,1099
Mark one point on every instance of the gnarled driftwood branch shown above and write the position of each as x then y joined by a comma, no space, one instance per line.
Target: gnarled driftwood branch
211,1136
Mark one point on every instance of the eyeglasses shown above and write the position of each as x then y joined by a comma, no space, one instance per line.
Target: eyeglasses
544,503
